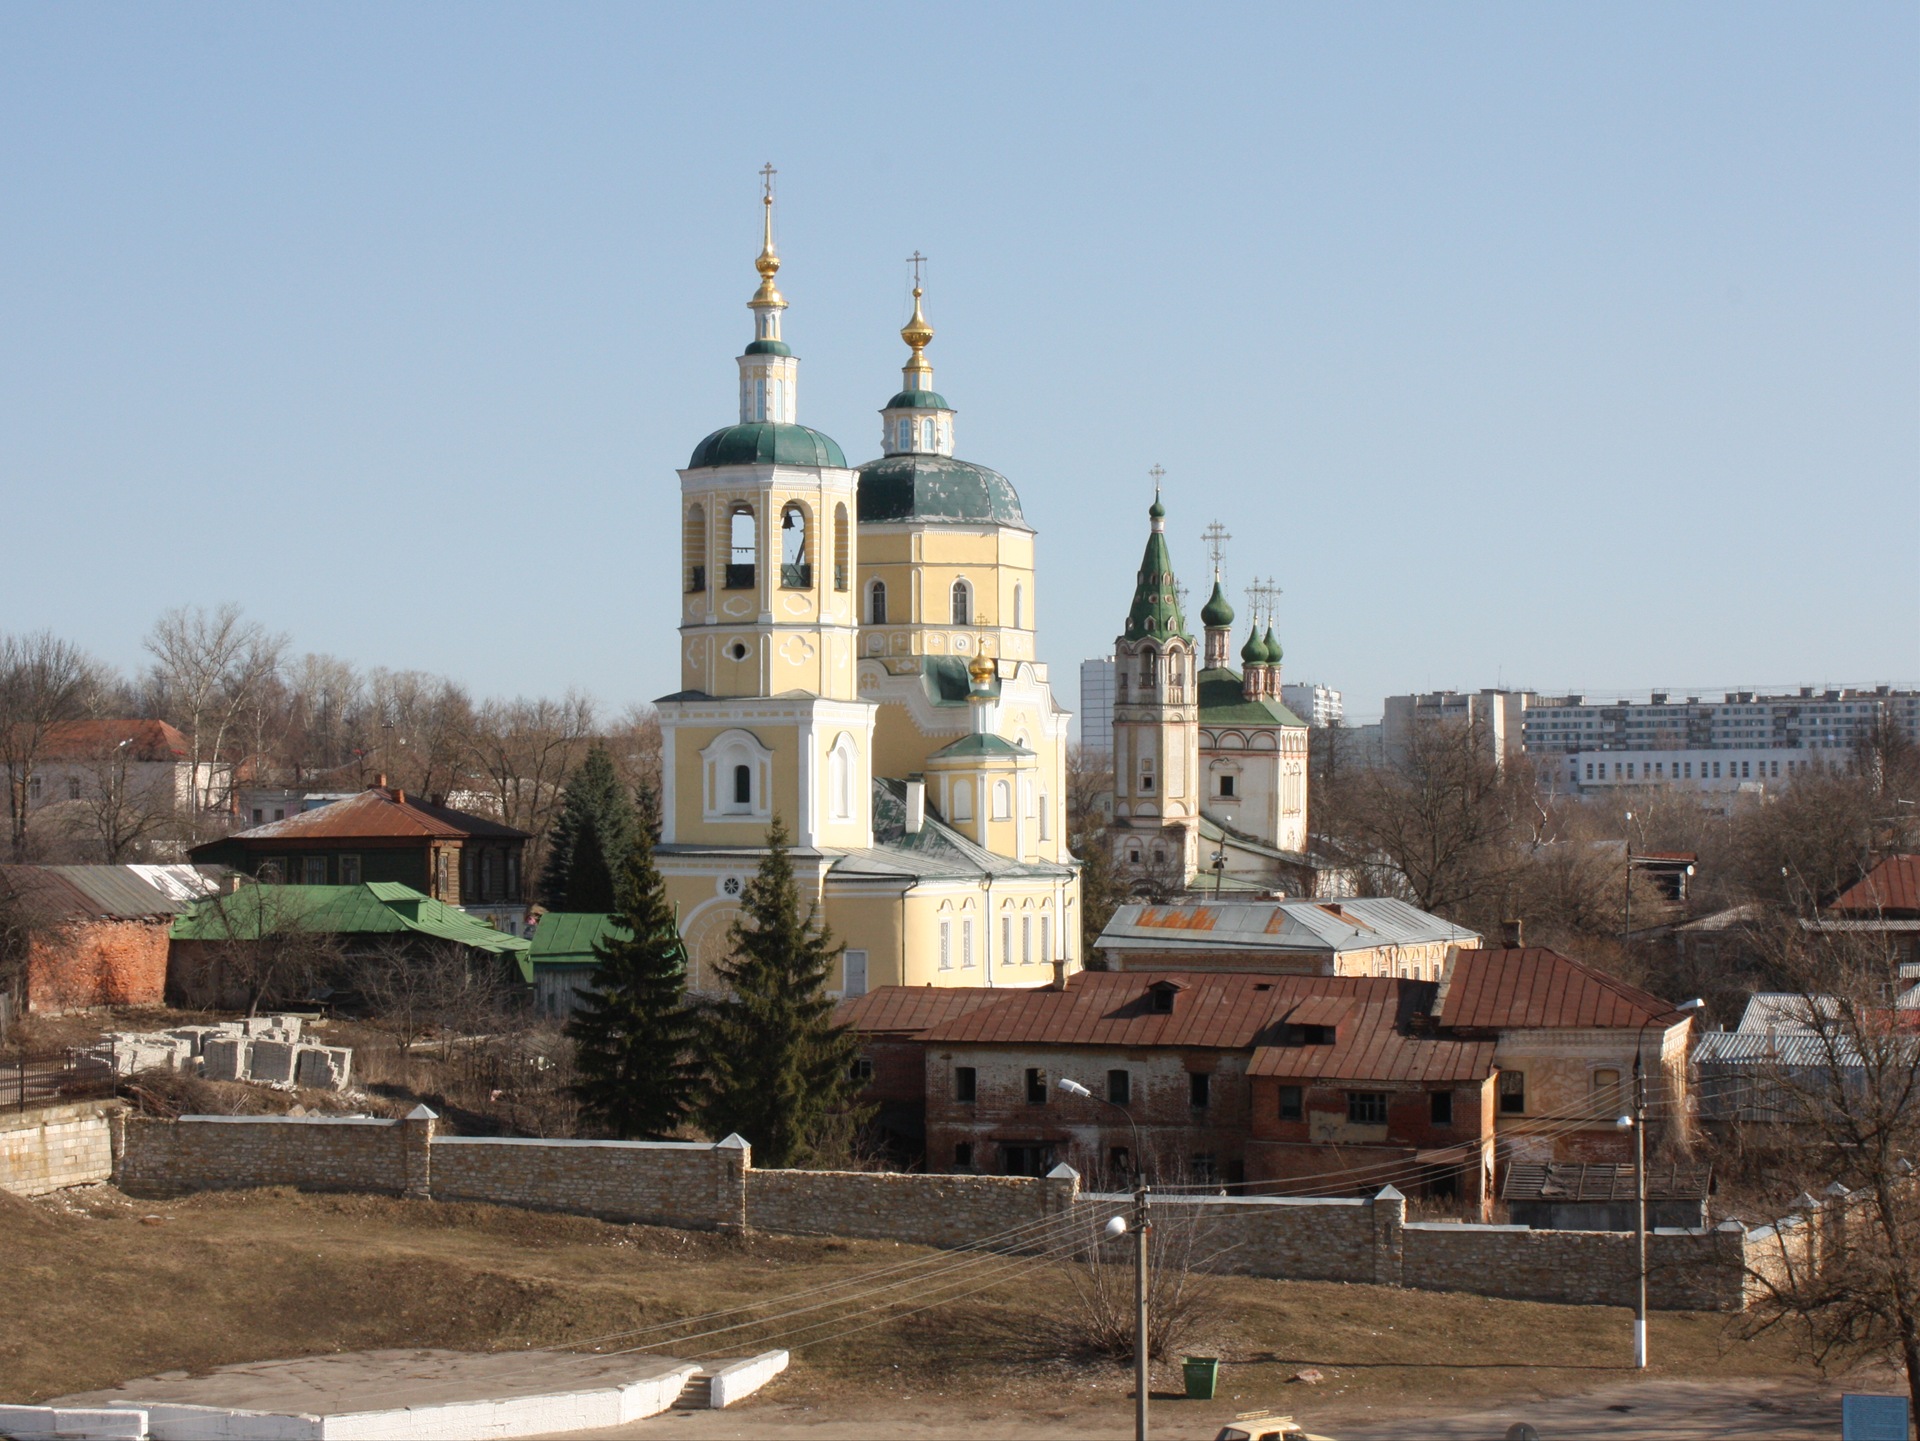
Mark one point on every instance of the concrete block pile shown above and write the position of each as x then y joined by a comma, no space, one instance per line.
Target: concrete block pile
268,1050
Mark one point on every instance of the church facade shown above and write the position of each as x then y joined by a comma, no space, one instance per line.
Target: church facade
857,658
1209,765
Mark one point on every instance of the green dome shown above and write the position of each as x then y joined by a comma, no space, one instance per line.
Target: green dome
769,347
1216,614
767,442
1272,646
918,400
936,488
1254,652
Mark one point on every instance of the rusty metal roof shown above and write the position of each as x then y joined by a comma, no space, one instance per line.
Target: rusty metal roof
378,812
1602,1181
1276,926
1534,988
1372,1043
910,1009
92,740
71,893
1891,888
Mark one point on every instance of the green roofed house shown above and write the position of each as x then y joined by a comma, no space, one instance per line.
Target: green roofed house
209,939
562,961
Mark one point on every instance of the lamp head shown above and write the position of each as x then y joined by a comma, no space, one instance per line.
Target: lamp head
1624,1123
1074,1088
1116,1226
1693,1005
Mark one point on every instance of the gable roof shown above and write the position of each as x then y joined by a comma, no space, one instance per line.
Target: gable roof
377,813
1602,1181
910,1010
1224,703
1891,889
372,908
123,893
1532,987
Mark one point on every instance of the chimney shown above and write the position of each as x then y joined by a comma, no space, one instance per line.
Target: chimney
399,796
230,886
1059,975
1513,933
381,780
916,805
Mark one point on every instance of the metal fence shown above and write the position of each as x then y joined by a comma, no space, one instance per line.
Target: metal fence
50,1079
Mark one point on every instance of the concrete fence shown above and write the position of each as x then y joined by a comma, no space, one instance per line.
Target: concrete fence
701,1186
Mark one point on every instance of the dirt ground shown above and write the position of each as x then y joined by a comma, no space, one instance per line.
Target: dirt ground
125,1287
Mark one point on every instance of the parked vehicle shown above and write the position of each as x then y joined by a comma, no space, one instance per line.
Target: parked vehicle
1265,1426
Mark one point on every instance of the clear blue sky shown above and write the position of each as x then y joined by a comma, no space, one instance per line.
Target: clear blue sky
1559,345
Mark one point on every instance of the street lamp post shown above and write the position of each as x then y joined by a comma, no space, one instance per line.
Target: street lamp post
1637,1123
1142,1225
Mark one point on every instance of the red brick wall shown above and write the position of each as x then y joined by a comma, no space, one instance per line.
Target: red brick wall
98,963
1285,1150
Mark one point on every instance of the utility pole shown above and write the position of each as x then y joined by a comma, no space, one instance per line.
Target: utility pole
1640,1209
1142,1369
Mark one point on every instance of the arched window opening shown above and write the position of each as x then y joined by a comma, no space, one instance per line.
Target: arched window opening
877,603
1046,818
842,548
963,800
1002,801
1146,775
1019,607
1133,855
904,433
1149,668
695,535
840,779
743,786
796,572
926,434
962,603
743,541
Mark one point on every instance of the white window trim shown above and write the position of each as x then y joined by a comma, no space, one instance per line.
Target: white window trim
717,761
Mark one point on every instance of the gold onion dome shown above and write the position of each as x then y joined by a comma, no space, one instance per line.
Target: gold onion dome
981,670
916,332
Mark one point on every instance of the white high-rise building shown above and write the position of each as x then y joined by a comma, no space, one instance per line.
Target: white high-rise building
1317,705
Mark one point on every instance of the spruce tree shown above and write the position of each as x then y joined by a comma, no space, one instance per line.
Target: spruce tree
634,1031
591,837
779,1071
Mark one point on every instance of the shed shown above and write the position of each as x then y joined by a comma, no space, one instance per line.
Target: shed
1590,1196
563,962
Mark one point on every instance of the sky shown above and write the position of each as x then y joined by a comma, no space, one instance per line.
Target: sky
1574,347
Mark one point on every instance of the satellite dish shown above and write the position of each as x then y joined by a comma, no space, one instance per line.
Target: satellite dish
1521,1431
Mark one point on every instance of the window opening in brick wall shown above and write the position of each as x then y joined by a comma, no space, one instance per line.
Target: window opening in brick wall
1120,1087
1290,1103
1199,1089
1513,1093
966,1084
963,1155
1036,1087
1440,1108
1366,1108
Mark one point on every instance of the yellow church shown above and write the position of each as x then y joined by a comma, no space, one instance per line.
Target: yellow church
857,657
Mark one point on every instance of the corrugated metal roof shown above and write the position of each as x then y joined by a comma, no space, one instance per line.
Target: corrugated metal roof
1533,988
1891,888
1603,1181
374,908
1278,926
909,1009
376,812
566,938
109,892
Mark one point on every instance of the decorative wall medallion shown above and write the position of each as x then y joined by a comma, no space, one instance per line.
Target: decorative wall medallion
696,656
794,650
796,604
737,605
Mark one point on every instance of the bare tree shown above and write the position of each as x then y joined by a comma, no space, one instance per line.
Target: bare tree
118,812
209,668
633,741
526,749
259,947
44,682
410,990
425,724
1182,1295
1850,1085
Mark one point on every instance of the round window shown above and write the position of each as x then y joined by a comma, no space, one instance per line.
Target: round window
737,651
731,885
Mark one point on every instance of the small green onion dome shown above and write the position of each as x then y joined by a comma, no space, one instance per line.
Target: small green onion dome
1254,652
918,400
1157,511
762,442
768,347
1216,614
1272,648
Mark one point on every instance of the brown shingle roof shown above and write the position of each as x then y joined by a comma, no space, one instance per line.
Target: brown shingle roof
1891,888
1533,987
376,813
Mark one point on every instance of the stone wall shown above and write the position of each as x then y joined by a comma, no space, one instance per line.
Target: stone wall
97,963
49,1148
315,1153
693,1185
714,1187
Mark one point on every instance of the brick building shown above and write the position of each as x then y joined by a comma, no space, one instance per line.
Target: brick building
96,935
1272,1081
384,834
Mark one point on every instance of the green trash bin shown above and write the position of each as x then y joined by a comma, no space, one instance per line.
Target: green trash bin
1203,1375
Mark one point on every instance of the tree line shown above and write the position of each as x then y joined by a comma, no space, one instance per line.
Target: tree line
253,712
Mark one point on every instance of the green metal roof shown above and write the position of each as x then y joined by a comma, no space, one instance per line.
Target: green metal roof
918,400
938,489
947,682
1254,652
1156,594
767,442
768,347
1223,702
1217,611
567,938
982,745
375,908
